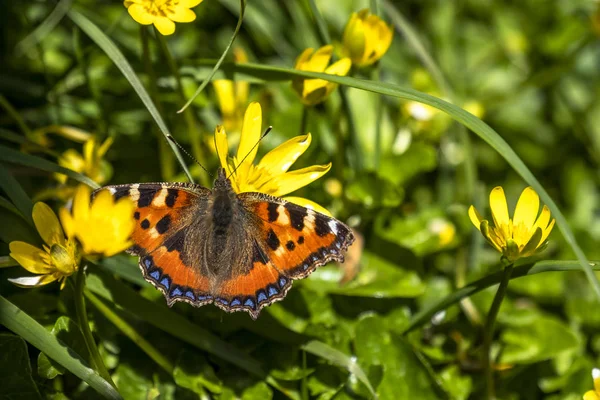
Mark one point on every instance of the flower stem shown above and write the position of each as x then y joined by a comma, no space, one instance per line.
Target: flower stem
166,156
188,115
304,120
376,76
131,333
488,333
82,319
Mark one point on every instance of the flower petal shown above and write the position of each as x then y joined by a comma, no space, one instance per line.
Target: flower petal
499,207
301,201
533,244
475,217
490,235
290,181
543,219
591,395
251,131
81,206
181,14
140,14
281,158
527,208
222,147
547,231
189,3
340,67
164,25
34,281
319,60
29,257
47,224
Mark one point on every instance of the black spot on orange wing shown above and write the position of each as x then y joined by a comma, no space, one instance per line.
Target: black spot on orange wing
273,213
146,196
145,224
301,240
290,245
297,215
136,215
163,225
171,197
321,225
273,240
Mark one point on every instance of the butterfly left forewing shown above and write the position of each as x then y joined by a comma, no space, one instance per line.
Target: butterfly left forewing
297,239
163,214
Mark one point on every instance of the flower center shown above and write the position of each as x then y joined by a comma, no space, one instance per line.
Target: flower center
160,7
62,260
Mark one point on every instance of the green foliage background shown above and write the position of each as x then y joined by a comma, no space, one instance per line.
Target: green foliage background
409,324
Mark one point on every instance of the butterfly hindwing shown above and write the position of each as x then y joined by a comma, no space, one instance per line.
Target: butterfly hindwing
258,286
163,212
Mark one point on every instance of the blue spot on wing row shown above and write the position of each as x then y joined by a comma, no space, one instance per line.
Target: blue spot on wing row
156,275
261,296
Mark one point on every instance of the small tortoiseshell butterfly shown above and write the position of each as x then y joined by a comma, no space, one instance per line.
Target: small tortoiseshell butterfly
240,252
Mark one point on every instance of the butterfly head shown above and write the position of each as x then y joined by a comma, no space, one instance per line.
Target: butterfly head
222,182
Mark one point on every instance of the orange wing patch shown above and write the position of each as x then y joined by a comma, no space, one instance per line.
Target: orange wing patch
260,287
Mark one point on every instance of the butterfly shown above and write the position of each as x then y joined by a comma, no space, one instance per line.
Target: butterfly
238,251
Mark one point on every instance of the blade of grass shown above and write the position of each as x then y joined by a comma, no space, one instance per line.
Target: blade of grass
10,110
16,194
340,359
44,28
220,61
424,316
480,128
23,325
117,57
12,156
131,333
321,24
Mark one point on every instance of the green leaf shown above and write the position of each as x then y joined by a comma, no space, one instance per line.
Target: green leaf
421,232
458,385
374,192
340,359
15,370
220,61
531,336
480,128
195,373
377,278
67,331
399,169
117,57
404,377
26,327
12,156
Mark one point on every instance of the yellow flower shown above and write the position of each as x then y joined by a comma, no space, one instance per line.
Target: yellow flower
233,96
162,13
91,163
103,227
366,38
56,260
594,394
314,91
521,236
270,176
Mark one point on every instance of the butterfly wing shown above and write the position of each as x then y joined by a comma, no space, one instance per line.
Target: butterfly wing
288,242
164,212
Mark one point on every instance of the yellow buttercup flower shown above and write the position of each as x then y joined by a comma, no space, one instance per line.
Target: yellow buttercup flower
103,227
521,236
55,261
271,175
594,394
162,13
91,163
366,38
314,91
233,96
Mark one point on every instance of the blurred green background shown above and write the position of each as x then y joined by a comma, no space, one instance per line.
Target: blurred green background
404,182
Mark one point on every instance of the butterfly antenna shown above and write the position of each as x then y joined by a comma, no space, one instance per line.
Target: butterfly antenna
172,139
250,151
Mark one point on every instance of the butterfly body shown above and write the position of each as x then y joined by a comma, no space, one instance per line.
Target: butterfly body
239,251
